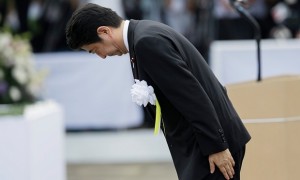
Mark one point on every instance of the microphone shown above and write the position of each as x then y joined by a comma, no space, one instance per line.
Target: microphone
237,5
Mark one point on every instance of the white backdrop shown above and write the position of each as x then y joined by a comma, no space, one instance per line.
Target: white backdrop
95,93
236,61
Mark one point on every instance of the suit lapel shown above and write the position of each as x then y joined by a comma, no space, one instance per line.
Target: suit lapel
133,61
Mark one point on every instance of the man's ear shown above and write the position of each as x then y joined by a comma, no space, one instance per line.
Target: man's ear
103,31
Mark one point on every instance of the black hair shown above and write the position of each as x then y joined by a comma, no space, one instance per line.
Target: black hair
81,28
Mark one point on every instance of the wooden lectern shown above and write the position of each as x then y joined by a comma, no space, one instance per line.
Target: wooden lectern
270,110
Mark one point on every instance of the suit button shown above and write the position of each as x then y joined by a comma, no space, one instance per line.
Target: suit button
220,130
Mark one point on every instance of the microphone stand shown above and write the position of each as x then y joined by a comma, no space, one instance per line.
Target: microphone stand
245,14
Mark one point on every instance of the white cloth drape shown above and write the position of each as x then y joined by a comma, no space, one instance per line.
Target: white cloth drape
236,61
95,93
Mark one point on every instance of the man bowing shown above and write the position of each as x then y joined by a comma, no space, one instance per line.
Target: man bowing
204,133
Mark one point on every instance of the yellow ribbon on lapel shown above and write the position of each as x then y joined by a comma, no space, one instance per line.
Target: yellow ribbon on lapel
157,118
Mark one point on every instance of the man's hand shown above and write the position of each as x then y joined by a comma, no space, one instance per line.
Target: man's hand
224,162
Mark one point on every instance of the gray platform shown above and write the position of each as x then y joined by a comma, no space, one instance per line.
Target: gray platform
120,155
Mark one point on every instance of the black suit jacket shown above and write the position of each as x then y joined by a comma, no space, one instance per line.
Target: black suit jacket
198,116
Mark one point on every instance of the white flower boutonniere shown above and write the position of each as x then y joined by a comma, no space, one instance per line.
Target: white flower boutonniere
142,94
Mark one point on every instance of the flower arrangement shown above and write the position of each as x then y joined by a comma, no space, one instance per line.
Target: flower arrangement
20,82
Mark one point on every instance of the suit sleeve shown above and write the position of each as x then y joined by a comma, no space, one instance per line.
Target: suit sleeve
161,61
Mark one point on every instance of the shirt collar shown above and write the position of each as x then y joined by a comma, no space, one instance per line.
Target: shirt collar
125,34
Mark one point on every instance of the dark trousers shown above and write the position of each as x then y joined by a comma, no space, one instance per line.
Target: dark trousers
238,158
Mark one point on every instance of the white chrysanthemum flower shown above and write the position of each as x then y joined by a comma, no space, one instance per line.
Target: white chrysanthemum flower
6,49
8,56
34,86
5,40
20,74
142,94
14,93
